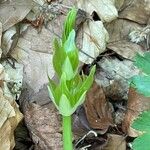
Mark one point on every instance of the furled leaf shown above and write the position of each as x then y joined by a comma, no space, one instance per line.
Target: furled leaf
143,122
143,62
58,57
69,24
141,84
142,142
71,50
67,68
69,44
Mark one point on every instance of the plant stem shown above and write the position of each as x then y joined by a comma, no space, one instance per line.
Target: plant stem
67,133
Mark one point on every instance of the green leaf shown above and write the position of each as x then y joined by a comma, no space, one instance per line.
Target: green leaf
64,88
79,102
142,123
141,84
51,95
71,50
58,57
86,84
142,142
64,106
143,62
67,68
69,44
69,24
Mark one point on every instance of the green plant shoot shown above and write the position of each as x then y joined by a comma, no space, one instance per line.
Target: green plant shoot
142,84
70,91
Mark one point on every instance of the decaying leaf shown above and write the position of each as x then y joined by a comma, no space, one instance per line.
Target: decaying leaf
14,77
12,12
10,116
126,49
104,8
136,10
115,142
119,40
137,103
34,51
114,76
98,110
44,126
94,42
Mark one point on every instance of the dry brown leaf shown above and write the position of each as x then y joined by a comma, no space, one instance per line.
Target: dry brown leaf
44,126
126,49
119,41
115,142
136,10
114,75
10,116
34,51
137,103
12,12
98,110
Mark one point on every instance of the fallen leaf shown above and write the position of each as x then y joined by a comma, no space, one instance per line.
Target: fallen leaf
115,142
105,8
119,40
13,12
114,75
137,11
125,49
137,103
45,126
7,39
94,42
13,77
34,52
10,116
98,110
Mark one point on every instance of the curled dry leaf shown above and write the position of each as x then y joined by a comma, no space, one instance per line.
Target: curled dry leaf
136,10
137,103
104,8
8,39
94,42
98,110
10,116
12,12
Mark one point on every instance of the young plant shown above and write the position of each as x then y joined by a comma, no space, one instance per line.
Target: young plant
142,84
71,88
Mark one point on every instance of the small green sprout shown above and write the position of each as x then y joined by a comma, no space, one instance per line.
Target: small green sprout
70,91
